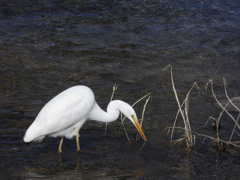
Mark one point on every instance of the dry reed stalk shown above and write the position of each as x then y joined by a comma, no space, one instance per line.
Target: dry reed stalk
230,139
187,137
148,96
230,101
225,89
221,113
141,99
211,117
141,120
124,127
236,144
141,123
218,140
223,108
115,87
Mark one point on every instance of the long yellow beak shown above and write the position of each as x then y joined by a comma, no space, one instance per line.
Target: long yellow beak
137,125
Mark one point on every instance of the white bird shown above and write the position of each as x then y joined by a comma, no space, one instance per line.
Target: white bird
65,114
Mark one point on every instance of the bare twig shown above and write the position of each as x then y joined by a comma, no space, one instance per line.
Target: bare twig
189,136
184,112
235,143
222,105
141,99
225,89
124,127
175,92
234,128
209,120
115,87
143,112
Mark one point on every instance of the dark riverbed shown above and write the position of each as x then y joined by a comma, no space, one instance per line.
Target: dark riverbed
48,46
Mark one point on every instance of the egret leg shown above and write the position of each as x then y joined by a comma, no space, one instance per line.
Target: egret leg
60,146
77,141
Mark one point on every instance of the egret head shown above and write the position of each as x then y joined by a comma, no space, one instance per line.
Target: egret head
129,112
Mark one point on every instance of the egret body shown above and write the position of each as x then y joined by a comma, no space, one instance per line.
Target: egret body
65,114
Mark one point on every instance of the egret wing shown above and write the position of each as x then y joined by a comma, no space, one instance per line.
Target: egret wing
63,111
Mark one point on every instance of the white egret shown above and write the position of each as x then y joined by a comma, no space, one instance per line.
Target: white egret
65,114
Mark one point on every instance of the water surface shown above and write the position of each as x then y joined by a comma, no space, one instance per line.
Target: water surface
48,46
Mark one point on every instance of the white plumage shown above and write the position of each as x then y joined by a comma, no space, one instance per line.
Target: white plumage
65,114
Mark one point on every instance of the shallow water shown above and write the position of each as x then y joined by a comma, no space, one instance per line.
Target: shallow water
48,46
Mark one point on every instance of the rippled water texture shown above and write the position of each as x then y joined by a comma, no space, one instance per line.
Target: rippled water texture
48,46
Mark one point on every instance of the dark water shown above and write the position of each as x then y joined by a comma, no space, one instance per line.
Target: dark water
48,46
